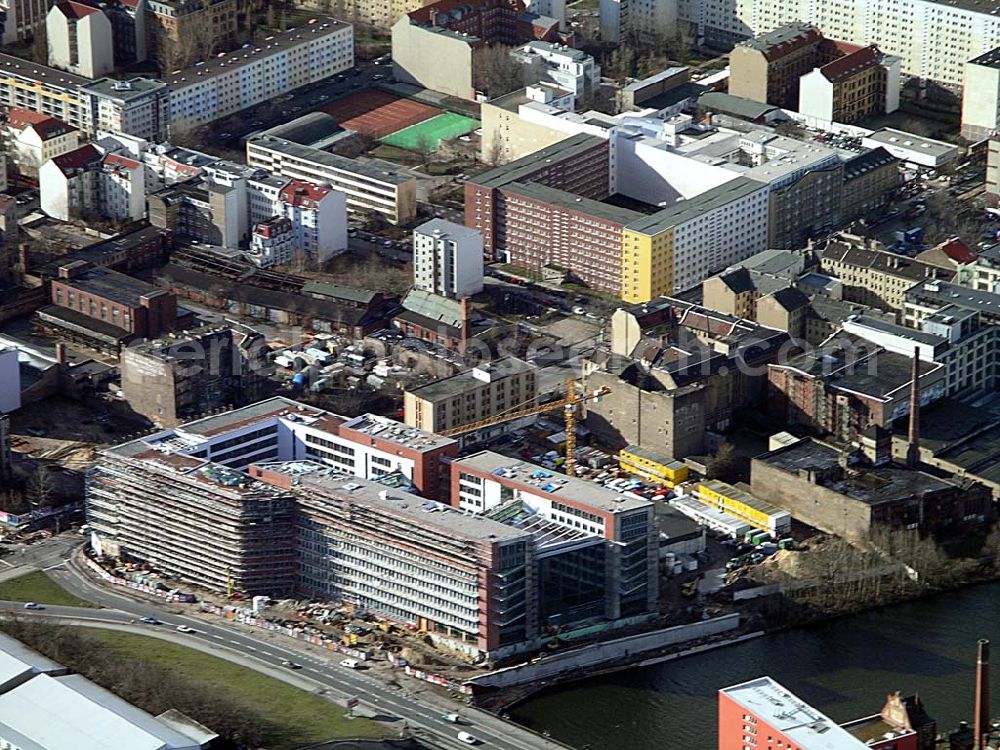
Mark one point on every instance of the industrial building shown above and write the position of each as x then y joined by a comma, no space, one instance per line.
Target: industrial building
42,705
764,708
180,377
485,391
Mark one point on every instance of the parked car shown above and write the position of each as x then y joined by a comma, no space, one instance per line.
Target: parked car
350,663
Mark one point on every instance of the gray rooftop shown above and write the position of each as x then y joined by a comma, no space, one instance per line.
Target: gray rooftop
447,228
895,329
572,488
572,202
392,431
112,285
526,167
18,66
692,208
941,293
462,382
433,307
254,412
311,129
238,58
737,106
336,291
375,169
779,36
873,486
902,139
330,482
663,75
133,88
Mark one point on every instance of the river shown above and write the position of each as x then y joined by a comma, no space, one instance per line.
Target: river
844,667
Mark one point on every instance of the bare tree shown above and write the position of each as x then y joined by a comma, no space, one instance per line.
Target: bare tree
496,71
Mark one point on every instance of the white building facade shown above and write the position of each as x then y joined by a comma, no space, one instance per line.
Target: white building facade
80,39
447,259
137,107
245,77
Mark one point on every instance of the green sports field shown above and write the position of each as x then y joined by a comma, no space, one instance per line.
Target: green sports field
427,135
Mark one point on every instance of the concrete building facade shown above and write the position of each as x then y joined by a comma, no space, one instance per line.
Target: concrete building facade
486,391
138,107
32,139
447,259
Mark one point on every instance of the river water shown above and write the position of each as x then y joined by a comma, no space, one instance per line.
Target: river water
844,668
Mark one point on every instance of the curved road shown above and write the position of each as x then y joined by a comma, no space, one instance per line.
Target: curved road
419,707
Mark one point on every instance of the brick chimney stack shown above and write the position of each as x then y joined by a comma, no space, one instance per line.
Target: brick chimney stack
913,442
982,718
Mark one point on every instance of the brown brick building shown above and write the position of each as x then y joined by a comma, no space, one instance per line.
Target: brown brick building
767,68
841,493
92,302
182,31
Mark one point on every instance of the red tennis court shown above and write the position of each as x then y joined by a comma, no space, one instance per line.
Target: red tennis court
377,113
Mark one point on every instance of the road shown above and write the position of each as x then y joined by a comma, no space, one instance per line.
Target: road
419,707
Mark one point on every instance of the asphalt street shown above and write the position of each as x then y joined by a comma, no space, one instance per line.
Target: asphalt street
421,708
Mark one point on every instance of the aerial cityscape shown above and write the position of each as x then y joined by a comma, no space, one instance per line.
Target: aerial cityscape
523,374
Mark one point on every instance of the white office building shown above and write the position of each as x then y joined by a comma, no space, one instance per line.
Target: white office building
570,69
447,259
231,82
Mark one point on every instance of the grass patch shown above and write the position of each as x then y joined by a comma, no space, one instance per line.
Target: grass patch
393,153
297,716
38,587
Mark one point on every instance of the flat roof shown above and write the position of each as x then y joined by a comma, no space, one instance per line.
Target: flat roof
272,407
462,382
989,59
119,287
663,75
526,167
735,105
952,294
573,202
330,481
226,62
807,727
872,486
692,208
446,228
113,88
393,431
895,329
535,478
902,139
375,169
26,69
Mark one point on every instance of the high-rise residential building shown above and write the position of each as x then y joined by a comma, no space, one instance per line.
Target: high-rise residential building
80,39
47,91
486,391
231,82
447,259
981,96
318,216
137,107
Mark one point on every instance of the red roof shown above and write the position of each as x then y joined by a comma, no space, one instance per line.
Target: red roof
72,9
117,160
957,250
851,64
77,159
46,127
301,193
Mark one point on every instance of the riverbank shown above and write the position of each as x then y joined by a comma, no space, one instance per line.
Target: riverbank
843,665
756,623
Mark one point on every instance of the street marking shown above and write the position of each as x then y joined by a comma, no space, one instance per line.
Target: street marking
217,636
251,648
232,641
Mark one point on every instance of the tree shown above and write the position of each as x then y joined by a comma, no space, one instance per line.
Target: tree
496,71
40,488
725,464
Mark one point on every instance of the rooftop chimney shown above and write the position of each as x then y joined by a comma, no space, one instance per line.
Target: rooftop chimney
913,447
982,718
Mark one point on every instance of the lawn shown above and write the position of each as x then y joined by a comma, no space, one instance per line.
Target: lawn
297,716
38,587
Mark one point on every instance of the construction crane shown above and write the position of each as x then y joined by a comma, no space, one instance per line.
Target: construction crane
568,404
